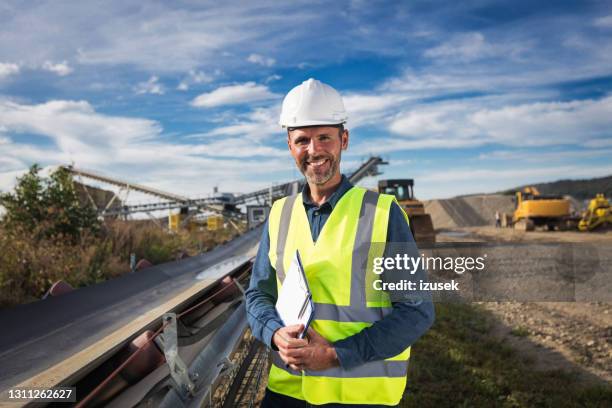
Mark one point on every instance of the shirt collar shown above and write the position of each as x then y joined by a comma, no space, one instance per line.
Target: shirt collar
344,186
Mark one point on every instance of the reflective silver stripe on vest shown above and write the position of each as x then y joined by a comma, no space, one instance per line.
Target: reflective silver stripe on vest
279,363
283,231
327,311
380,368
361,249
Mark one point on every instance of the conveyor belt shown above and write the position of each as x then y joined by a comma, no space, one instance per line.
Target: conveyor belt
40,335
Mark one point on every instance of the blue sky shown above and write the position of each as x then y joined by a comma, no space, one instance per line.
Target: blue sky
474,97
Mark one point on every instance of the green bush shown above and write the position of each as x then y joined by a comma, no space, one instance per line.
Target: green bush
47,235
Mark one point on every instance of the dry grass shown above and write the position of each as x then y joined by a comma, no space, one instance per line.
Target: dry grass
29,265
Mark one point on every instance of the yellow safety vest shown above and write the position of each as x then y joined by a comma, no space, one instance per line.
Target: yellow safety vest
339,272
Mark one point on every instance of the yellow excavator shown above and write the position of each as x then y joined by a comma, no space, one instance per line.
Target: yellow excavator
420,222
536,210
597,215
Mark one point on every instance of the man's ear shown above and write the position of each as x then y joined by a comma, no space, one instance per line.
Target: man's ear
345,139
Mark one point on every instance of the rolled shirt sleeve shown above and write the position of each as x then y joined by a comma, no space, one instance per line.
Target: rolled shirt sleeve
261,295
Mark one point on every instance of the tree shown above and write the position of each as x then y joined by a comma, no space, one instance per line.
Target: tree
48,207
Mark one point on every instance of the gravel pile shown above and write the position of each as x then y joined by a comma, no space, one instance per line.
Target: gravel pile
469,211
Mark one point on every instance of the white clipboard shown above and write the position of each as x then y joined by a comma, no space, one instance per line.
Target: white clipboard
294,304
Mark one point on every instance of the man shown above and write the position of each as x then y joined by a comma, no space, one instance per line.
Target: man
357,348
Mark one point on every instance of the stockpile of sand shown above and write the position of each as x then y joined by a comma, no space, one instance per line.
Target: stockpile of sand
469,211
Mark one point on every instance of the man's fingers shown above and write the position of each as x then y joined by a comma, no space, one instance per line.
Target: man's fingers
287,337
296,343
280,341
284,347
291,360
294,352
294,330
296,367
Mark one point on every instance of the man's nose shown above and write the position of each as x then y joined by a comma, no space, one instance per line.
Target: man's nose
314,147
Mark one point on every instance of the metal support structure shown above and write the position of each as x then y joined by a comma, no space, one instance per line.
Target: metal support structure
265,195
89,197
178,369
212,363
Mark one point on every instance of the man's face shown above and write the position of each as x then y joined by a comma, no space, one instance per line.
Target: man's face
317,151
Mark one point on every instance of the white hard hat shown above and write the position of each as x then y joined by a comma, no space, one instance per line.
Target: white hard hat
312,103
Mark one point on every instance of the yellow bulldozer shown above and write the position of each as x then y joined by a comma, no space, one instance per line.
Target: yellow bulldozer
420,222
597,215
536,210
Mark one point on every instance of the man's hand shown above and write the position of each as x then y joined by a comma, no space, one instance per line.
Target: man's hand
286,339
316,354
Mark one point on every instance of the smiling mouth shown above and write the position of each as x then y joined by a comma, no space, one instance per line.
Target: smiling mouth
317,163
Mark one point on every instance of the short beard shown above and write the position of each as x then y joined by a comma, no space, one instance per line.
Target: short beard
320,180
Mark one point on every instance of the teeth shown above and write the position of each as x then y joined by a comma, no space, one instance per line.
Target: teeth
318,162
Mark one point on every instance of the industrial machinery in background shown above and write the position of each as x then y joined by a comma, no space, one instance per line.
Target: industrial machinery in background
192,213
536,210
598,214
420,222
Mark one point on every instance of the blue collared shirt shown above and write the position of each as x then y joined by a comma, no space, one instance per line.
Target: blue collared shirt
386,338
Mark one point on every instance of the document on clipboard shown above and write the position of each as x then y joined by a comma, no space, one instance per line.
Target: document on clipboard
294,304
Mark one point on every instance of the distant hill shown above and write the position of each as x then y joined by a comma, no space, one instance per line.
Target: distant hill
579,189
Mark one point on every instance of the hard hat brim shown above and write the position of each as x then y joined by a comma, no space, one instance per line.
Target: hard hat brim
305,123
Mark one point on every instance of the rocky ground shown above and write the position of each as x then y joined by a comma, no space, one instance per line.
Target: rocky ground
490,233
571,336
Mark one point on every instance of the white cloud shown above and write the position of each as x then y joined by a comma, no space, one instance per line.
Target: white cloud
527,174
160,38
465,46
74,128
196,77
7,69
273,77
239,147
479,121
442,125
234,95
259,124
603,22
420,122
598,143
61,68
398,144
365,109
454,181
261,60
536,156
151,86
133,149
468,47
469,123
550,123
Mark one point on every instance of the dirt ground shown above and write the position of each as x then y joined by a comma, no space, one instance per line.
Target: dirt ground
490,233
571,336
